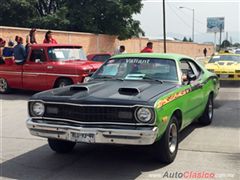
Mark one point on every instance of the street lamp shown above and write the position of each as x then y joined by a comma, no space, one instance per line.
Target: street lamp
191,9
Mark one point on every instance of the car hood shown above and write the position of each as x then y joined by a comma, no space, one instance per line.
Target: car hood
82,63
223,66
109,92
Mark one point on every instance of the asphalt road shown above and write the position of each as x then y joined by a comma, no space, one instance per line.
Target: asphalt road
212,149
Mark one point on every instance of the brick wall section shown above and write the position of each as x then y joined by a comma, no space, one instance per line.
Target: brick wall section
93,43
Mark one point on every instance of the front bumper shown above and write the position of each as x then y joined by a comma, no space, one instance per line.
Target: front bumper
134,136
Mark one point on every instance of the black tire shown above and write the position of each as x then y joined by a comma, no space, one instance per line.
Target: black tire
4,87
63,82
61,146
164,151
207,115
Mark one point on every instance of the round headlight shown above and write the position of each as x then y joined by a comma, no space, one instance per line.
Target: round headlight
38,109
144,114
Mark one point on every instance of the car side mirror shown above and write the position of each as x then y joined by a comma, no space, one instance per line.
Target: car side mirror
38,61
191,77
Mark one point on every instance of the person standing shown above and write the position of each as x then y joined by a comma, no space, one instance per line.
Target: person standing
205,52
148,48
49,39
122,49
8,53
31,38
19,52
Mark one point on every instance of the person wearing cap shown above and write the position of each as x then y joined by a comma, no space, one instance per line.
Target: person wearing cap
8,53
49,39
19,52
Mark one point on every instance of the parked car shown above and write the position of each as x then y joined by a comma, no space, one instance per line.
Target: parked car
226,66
99,57
133,99
47,66
237,51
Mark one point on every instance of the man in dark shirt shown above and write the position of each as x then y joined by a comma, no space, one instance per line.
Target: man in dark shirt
19,52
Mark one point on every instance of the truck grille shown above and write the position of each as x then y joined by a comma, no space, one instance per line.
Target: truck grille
91,114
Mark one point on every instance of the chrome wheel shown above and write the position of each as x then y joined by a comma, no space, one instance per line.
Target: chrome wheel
3,85
210,109
62,84
172,140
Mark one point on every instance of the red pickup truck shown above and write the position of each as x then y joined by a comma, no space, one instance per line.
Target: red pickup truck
47,66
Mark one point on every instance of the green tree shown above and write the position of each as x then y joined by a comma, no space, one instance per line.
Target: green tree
16,12
225,44
185,39
107,16
190,40
112,17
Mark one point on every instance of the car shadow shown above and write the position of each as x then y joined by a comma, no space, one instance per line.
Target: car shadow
17,95
230,84
86,162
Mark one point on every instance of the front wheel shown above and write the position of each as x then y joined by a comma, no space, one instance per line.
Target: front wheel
63,82
166,148
207,115
4,87
61,146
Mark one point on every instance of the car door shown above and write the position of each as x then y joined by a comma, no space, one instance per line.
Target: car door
194,99
34,71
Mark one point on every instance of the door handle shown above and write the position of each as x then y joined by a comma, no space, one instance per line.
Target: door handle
200,85
49,67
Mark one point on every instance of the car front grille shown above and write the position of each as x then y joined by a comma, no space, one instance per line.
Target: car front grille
91,114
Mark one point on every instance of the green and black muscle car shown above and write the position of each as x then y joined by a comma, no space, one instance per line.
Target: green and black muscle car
133,99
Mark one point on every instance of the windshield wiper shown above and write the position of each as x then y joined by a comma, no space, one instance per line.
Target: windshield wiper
149,78
108,77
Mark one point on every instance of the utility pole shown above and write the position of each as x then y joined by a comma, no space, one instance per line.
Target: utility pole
164,28
220,39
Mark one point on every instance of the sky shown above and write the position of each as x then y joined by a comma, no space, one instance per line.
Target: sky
179,21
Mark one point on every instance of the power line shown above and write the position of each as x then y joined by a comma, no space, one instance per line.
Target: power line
180,18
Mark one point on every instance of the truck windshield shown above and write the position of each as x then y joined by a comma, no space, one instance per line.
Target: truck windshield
66,53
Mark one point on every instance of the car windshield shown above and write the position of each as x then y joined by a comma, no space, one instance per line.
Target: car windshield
66,53
234,58
138,69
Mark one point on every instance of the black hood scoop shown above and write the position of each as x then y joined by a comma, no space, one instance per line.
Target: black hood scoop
78,88
129,91
73,90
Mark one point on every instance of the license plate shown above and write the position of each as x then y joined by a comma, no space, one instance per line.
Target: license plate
83,137
224,76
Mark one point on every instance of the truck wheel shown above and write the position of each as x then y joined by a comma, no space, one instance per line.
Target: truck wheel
207,115
4,88
63,82
166,148
61,146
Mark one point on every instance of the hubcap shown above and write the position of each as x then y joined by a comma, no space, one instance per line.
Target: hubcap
3,85
62,84
172,140
210,109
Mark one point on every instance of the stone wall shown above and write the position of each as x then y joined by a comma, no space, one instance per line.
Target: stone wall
93,43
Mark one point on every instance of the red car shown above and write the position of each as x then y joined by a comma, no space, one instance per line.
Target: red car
99,57
47,66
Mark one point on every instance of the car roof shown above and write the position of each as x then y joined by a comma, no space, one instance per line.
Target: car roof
227,54
56,45
153,55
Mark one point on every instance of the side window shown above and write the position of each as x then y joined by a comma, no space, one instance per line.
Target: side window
101,58
37,55
185,67
196,69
